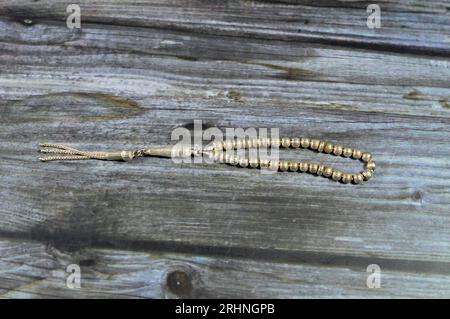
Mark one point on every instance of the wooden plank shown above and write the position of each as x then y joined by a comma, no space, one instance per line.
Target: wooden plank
103,106
35,270
401,213
406,25
166,63
130,77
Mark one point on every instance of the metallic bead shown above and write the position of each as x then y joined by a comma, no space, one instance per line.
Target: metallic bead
263,142
321,147
314,144
337,150
234,160
227,158
254,162
286,142
264,163
346,178
243,162
293,166
367,175
305,142
371,165
284,166
357,178
239,143
337,175
313,168
217,156
275,142
327,172
253,143
328,148
320,170
274,165
357,154
229,144
303,166
366,157
295,142
347,152
218,146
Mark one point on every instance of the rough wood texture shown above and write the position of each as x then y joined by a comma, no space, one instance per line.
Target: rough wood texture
34,270
137,71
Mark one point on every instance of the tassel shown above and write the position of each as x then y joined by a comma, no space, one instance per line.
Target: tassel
72,154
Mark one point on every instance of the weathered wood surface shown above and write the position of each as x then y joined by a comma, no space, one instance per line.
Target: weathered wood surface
33,269
137,71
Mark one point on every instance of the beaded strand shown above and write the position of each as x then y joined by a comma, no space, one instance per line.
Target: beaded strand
216,152
218,155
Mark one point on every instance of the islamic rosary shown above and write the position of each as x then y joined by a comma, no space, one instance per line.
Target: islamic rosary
223,152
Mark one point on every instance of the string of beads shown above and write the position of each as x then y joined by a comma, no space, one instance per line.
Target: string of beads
220,156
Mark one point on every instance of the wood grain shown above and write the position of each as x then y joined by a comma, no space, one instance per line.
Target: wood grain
137,71
408,25
34,270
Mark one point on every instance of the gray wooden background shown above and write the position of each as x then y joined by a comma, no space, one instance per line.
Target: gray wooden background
152,228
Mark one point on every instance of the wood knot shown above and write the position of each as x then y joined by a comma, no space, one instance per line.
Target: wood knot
417,196
179,283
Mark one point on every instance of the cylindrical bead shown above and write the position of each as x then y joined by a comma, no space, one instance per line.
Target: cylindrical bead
254,162
327,172
321,147
264,142
239,143
229,144
284,166
347,152
337,150
357,154
320,170
366,157
328,148
367,175
371,165
286,142
303,166
274,165
243,162
346,178
305,142
357,178
264,163
275,142
313,168
314,145
336,175
218,146
295,142
293,166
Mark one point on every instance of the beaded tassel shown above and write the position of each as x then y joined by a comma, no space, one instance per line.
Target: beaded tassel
217,151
